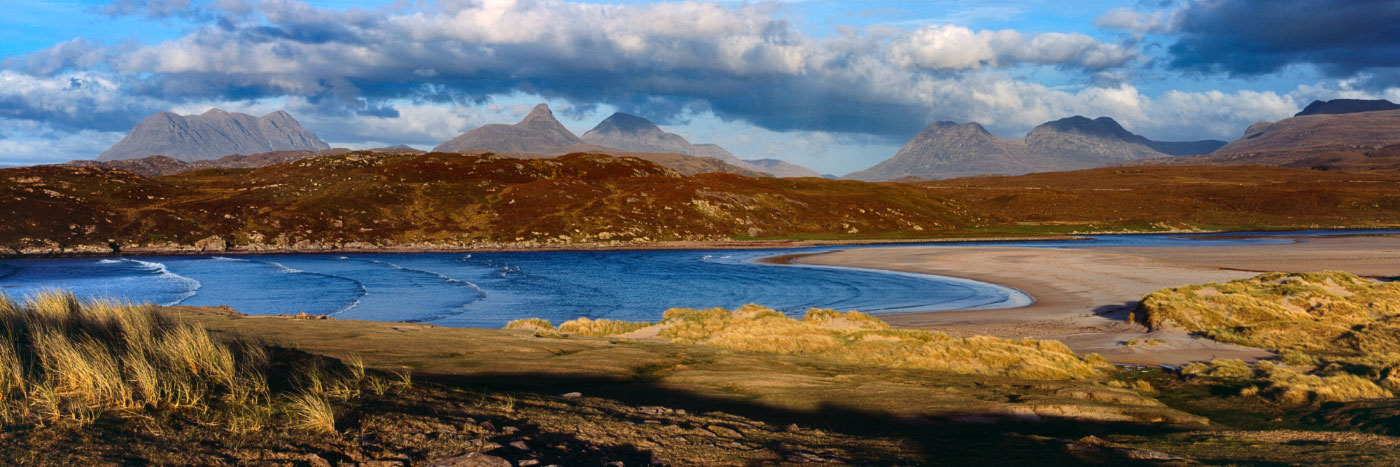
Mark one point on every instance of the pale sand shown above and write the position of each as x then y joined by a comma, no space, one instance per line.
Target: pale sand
1083,295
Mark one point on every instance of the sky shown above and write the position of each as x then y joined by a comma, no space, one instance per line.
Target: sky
833,85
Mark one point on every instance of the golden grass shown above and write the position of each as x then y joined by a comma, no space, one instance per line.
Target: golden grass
855,337
312,412
66,360
600,327
1327,320
541,327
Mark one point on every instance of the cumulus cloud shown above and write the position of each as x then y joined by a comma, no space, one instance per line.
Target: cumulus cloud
949,47
1252,37
1154,22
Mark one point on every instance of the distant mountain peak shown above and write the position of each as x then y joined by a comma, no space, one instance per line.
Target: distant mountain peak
538,132
625,123
1347,106
213,134
540,113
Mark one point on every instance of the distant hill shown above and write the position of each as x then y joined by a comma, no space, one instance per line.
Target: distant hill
639,135
1347,106
157,166
539,132
782,168
1364,129
211,135
365,201
636,134
949,150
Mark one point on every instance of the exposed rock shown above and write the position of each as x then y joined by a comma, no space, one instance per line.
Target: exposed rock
571,395
474,459
317,461
211,243
211,135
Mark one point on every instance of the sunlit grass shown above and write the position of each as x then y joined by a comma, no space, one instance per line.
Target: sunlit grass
1338,335
855,337
66,360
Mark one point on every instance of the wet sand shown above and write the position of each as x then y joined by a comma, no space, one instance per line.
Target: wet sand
1083,295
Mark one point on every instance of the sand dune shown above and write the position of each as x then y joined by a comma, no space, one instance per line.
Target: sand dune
1083,295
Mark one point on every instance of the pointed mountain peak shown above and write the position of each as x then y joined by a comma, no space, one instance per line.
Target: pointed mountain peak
214,111
540,113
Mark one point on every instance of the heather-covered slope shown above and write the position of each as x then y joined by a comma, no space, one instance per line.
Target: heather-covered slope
1362,129
364,200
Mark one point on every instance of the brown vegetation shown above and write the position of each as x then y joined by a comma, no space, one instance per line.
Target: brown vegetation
364,200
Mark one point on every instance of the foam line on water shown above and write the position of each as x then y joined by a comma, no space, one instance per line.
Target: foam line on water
462,308
191,286
286,270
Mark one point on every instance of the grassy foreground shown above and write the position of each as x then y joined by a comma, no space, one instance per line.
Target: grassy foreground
1338,334
850,337
715,387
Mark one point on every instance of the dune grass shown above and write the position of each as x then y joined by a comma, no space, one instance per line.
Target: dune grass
600,327
1345,328
67,360
855,337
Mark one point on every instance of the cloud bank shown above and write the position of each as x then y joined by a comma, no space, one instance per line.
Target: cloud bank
419,73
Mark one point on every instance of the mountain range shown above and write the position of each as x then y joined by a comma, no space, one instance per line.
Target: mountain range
949,150
1341,134
211,135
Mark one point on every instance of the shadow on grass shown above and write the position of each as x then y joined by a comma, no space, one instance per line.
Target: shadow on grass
951,438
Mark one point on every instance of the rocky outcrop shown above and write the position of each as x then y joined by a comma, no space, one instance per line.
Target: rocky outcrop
211,135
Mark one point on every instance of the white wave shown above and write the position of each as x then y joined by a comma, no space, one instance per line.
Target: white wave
287,270
450,280
225,258
191,286
110,261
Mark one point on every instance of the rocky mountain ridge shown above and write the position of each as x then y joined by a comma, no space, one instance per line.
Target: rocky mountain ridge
211,135
950,150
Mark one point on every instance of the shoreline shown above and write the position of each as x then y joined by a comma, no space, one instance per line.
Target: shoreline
107,251
1083,296
90,252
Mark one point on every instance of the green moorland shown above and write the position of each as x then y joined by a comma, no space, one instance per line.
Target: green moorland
93,383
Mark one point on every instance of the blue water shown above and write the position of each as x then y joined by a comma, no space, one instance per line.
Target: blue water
490,289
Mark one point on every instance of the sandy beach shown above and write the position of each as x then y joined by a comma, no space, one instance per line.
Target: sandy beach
1084,295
